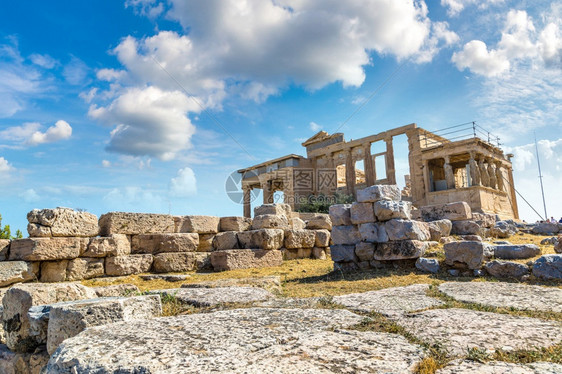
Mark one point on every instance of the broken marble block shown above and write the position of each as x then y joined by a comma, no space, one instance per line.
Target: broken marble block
24,315
379,192
275,209
373,232
14,272
270,221
135,223
401,229
127,265
109,246
47,249
69,319
85,268
226,240
386,210
299,239
471,254
362,213
198,224
62,222
319,222
261,239
235,223
400,250
164,243
340,214
245,258
452,211
174,262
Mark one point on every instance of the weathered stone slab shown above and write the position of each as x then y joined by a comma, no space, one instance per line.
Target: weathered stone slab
319,253
47,249
26,330
297,224
319,222
199,224
340,214
270,221
15,271
113,245
444,226
174,262
116,290
400,229
400,250
499,367
262,239
54,271
235,223
226,240
506,269
271,283
245,258
390,301
203,261
206,297
275,209
205,242
546,228
503,229
362,213
69,319
428,265
85,268
485,220
322,238
365,251
373,232
238,341
63,222
548,267
36,230
379,192
467,253
466,227
299,239
4,248
165,243
127,265
451,211
518,251
460,329
135,223
345,235
386,210
506,295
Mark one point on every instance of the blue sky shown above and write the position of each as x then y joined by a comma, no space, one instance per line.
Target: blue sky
148,105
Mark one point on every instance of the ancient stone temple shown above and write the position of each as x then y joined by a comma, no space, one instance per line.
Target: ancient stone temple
441,171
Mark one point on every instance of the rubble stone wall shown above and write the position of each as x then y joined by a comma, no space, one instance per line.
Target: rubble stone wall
66,245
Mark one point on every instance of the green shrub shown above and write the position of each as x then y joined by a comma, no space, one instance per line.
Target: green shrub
321,203
6,233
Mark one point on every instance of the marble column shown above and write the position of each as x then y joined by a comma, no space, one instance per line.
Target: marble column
474,171
484,178
247,202
350,173
267,194
389,158
369,165
449,175
492,173
499,176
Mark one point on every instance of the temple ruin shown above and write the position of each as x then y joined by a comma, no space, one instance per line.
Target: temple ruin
441,171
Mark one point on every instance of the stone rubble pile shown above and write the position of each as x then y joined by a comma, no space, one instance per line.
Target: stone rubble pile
64,244
376,229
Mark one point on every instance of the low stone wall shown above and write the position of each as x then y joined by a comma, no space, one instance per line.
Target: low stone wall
376,229
66,245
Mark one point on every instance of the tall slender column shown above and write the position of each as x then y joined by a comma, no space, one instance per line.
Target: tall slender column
247,202
484,178
512,193
499,176
389,158
449,175
350,173
369,169
492,173
267,195
474,170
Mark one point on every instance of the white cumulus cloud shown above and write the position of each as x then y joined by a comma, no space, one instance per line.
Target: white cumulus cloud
5,166
184,184
455,7
315,127
476,57
60,131
148,121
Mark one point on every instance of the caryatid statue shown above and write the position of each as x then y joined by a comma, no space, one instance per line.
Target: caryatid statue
449,175
484,178
499,176
492,173
474,170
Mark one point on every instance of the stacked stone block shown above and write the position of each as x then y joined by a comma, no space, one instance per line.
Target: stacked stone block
376,229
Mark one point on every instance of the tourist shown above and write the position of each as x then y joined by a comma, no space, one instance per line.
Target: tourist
560,220
552,220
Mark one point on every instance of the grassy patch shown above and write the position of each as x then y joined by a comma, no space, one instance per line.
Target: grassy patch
171,306
549,354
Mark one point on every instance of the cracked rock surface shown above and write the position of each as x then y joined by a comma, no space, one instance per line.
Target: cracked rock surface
204,297
255,340
390,301
460,329
472,367
496,294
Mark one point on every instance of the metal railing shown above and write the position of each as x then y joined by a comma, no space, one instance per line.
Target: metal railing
468,130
